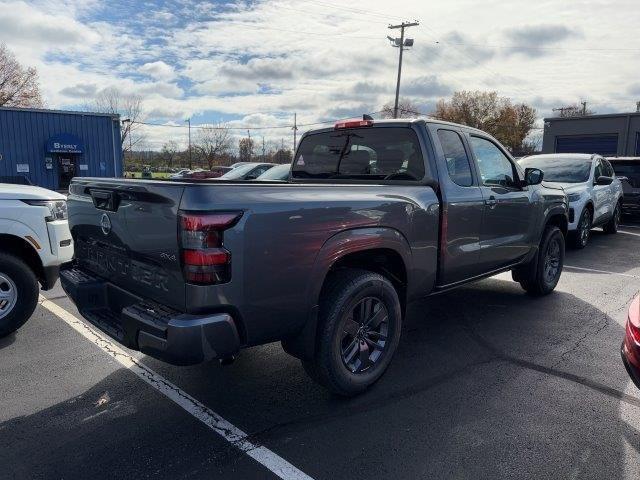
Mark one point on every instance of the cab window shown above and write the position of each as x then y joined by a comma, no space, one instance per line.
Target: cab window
496,170
456,157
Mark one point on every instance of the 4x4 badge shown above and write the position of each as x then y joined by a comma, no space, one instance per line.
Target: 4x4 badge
105,224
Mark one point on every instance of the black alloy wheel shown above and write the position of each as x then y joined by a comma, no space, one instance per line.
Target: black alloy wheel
364,335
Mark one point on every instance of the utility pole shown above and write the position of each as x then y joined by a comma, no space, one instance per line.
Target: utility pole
295,131
400,43
190,160
637,107
263,150
249,145
128,130
584,109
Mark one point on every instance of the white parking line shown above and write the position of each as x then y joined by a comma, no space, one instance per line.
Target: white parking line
602,271
629,233
630,226
215,422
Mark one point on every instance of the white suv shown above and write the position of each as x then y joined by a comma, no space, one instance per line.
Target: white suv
594,192
34,242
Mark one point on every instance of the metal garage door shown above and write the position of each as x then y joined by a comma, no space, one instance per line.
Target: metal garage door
602,144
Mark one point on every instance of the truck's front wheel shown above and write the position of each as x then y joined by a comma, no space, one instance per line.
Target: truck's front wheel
358,333
18,293
541,275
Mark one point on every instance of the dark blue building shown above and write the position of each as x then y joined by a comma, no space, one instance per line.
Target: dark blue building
49,147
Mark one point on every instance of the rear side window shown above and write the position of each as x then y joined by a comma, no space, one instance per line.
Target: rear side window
456,157
384,153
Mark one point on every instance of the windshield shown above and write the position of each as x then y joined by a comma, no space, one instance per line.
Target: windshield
559,169
239,172
279,172
367,153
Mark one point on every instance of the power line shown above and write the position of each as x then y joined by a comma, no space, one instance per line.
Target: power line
248,127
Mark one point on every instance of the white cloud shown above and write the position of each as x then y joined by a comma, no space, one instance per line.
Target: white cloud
24,24
158,70
262,61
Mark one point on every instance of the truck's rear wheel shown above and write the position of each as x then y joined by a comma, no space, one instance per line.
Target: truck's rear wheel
358,331
541,275
18,293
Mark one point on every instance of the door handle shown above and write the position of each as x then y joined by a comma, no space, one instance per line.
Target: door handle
491,203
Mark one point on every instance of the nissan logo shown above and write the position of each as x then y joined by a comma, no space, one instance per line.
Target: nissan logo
105,224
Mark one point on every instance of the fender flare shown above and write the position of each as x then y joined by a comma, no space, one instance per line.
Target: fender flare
302,344
21,230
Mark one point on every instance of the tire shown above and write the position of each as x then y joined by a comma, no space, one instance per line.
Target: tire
580,237
18,293
612,225
542,274
346,362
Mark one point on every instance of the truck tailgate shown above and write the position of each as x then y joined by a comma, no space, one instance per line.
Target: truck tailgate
127,232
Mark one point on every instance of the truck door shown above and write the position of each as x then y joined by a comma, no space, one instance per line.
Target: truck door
508,212
462,207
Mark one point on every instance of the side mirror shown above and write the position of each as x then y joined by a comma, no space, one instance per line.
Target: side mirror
623,179
533,176
251,176
602,180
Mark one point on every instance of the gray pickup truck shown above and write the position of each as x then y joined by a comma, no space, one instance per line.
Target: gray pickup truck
374,216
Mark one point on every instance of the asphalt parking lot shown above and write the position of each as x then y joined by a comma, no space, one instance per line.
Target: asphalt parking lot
487,383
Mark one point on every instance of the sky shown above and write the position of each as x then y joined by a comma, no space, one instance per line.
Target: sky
256,63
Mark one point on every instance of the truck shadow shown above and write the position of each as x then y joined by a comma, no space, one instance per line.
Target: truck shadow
487,383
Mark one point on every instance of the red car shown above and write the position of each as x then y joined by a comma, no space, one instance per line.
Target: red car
631,344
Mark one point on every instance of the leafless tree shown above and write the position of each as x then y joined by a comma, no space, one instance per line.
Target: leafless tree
574,111
246,147
406,109
111,100
169,153
213,144
18,85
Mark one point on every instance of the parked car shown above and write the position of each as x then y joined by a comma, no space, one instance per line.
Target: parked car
630,349
248,171
179,174
237,164
277,173
215,172
594,192
35,240
628,172
375,215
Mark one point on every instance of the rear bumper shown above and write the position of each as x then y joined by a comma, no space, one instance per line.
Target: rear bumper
160,332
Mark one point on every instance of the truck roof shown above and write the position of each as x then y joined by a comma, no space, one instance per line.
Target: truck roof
406,122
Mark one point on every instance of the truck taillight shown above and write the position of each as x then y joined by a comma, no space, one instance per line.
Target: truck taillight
353,123
205,261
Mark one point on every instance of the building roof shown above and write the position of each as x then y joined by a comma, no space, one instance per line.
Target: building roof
115,116
595,116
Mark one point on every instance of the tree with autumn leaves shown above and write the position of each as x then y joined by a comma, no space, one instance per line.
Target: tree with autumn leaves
18,85
508,122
